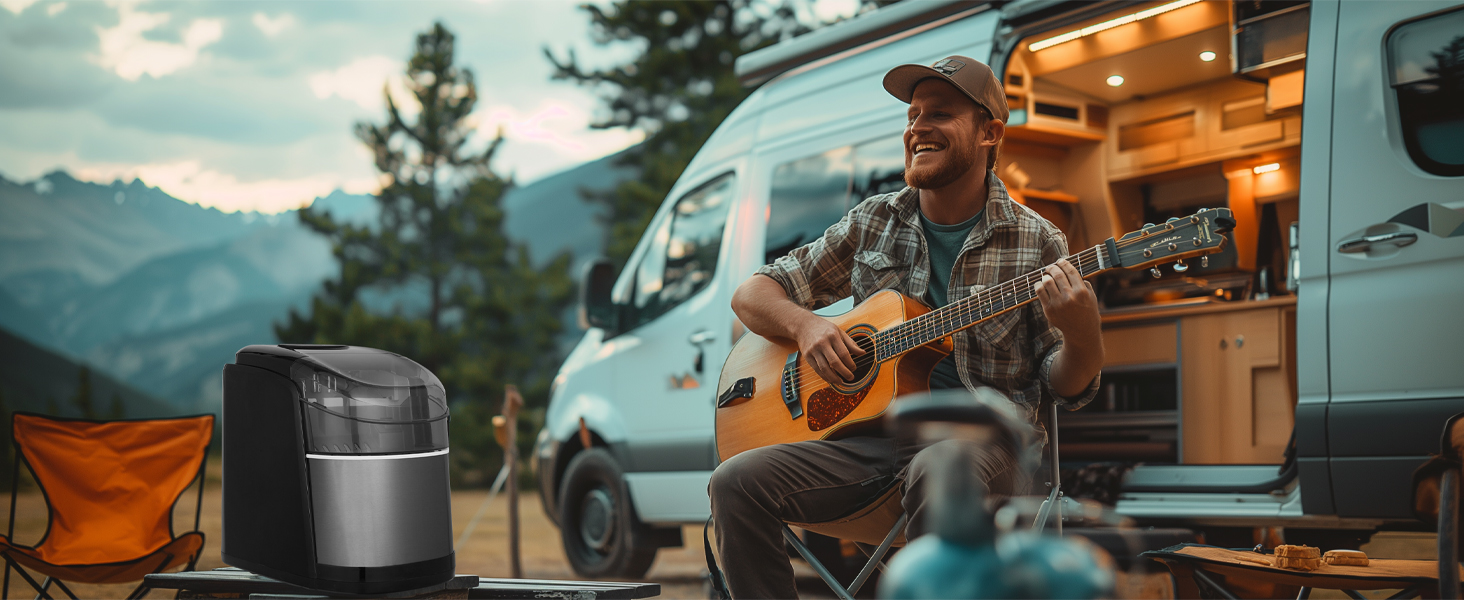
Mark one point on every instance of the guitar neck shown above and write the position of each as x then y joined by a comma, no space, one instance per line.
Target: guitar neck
978,307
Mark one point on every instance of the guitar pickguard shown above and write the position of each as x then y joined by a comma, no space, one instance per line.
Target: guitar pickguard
827,406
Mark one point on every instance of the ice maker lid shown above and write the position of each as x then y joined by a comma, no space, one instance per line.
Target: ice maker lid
368,385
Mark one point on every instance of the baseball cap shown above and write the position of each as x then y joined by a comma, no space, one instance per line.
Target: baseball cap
969,75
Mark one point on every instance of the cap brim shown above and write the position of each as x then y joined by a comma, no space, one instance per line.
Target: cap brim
900,82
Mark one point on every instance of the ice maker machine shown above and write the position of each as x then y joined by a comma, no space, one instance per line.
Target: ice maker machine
335,469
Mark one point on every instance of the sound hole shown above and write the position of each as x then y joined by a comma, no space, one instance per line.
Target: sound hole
864,362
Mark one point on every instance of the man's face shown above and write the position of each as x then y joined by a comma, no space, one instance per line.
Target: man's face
941,138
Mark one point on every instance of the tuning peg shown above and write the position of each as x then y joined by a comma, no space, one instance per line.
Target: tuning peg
1148,225
1172,219
1180,267
1205,261
1155,272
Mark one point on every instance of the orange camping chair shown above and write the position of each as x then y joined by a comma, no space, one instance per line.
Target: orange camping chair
110,488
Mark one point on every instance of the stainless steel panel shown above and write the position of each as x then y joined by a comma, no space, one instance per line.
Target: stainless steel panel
380,512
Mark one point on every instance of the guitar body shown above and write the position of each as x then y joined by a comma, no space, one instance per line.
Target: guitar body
756,413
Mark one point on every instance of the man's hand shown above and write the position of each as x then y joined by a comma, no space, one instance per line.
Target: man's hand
1069,302
828,349
1072,307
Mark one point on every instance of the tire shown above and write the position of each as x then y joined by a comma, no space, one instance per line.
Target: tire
602,536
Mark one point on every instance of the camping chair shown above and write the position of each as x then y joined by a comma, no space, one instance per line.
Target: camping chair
870,526
110,488
1436,499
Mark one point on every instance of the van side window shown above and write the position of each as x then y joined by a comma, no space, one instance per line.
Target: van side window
683,254
879,168
807,196
1426,70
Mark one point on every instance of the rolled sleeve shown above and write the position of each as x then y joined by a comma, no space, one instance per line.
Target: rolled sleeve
1049,340
817,274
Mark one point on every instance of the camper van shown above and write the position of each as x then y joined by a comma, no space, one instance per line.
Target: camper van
1293,381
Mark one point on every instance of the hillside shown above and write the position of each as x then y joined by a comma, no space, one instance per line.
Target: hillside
160,293
36,379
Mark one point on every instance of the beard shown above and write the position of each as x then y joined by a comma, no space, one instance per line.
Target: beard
959,160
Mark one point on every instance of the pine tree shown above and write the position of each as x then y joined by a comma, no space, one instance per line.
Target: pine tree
83,399
677,90
119,410
468,303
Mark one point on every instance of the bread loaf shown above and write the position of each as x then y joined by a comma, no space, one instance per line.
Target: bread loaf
1298,558
1353,558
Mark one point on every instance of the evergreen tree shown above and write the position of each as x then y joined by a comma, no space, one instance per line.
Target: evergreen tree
467,302
83,399
119,411
677,90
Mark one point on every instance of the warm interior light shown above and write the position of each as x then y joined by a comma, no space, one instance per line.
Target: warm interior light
1207,56
1109,24
1115,80
1267,168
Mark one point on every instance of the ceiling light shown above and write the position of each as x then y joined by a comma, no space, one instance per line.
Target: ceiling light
1207,56
1267,168
1109,24
1115,80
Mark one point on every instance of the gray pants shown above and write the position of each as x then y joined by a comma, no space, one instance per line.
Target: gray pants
753,493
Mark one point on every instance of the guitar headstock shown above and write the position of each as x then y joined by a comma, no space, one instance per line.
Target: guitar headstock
1174,240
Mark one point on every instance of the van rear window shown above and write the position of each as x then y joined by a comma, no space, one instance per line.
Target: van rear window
1426,70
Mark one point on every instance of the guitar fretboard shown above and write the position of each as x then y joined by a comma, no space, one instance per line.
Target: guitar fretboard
975,308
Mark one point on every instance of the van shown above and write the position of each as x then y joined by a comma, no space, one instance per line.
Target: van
1293,381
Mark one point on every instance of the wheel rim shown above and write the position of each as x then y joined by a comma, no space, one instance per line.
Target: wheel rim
597,519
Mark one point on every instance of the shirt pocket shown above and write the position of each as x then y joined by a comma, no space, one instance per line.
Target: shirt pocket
874,271
1000,331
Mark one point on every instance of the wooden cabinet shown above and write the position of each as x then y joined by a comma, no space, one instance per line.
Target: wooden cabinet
1236,365
1237,406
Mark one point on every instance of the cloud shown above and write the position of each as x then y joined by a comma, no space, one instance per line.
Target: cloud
189,180
54,9
361,82
561,128
273,27
16,6
124,50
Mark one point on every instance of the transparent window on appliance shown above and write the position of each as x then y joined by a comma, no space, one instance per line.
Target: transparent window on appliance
684,249
1426,71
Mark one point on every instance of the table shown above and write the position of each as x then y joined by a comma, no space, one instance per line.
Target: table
230,582
1235,574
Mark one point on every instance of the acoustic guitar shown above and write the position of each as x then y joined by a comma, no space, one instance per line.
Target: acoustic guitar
768,394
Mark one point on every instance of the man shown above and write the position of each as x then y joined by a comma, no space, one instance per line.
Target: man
953,231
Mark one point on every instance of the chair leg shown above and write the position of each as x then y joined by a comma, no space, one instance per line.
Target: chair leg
5,591
62,585
1449,534
875,559
28,579
139,592
823,572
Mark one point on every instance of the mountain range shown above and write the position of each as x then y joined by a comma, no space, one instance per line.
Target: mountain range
157,293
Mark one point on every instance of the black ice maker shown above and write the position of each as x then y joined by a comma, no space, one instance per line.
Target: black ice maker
335,469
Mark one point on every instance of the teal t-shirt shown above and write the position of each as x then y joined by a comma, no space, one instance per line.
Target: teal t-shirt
944,243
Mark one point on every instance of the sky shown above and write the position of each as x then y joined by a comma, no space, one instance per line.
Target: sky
250,105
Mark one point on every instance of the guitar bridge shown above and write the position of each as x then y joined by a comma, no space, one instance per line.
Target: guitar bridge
790,386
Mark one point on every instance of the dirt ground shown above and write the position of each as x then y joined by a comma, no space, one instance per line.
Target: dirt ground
485,553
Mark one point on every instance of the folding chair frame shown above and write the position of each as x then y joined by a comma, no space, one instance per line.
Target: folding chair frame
141,589
876,557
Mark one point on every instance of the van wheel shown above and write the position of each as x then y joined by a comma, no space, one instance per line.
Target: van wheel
601,534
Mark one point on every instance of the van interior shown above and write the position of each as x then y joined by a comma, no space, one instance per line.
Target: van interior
1155,111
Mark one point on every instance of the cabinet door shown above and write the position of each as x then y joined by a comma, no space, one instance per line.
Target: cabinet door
1237,403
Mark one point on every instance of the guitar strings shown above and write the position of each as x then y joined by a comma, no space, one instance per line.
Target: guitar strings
924,326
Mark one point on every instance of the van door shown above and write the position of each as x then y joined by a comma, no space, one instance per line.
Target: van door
676,324
1395,248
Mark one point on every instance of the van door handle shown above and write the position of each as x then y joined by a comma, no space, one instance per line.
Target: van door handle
700,338
1366,242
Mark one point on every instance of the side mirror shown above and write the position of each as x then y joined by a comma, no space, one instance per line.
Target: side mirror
596,308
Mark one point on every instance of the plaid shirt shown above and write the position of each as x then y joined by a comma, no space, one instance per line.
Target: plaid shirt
881,245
